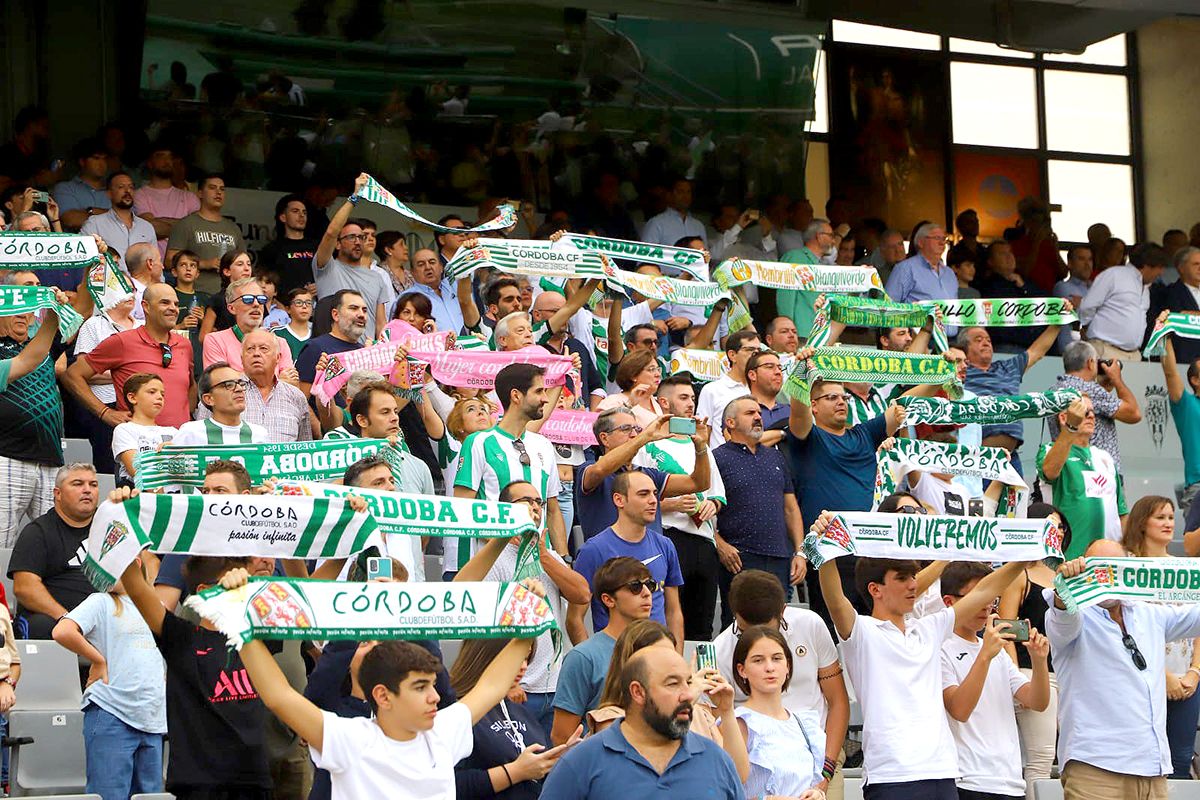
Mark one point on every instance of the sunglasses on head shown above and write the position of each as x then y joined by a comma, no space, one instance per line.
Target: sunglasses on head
649,585
251,299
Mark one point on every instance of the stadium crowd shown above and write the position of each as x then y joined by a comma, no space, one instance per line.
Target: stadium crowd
682,523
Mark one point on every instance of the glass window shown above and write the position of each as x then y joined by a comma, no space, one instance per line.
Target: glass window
820,123
1107,53
985,49
1090,193
1087,113
858,33
993,105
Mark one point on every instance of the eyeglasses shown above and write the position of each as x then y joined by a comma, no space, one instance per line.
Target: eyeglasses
302,303
167,355
532,502
911,510
352,237
649,585
1139,660
251,299
630,427
232,384
519,446
845,398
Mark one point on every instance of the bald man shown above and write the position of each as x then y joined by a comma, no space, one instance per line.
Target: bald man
153,348
145,268
1110,660
274,401
639,755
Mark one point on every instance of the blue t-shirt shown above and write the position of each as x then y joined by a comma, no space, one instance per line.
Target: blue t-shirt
310,354
595,510
581,678
1003,377
1186,414
654,550
607,767
836,473
135,692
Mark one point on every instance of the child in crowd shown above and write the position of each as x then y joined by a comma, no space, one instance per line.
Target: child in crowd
781,763
276,312
185,266
145,395
124,705
299,325
979,690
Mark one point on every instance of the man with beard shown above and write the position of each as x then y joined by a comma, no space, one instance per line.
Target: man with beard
349,314
650,753
349,267
119,227
492,459
248,304
160,202
759,527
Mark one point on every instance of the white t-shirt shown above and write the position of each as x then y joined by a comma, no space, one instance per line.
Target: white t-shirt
897,679
541,676
944,497
812,648
712,401
989,747
363,762
203,431
139,438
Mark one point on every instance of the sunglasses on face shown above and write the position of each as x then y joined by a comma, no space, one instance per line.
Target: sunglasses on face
522,453
167,355
911,510
251,299
649,585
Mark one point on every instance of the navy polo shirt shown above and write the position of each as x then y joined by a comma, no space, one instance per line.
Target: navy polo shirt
752,519
776,417
594,510
836,473
607,767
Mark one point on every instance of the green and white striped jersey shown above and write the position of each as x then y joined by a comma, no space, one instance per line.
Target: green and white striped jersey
489,461
677,456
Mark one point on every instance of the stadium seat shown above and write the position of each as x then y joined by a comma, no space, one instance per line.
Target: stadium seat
1183,790
433,568
156,796
49,676
107,484
54,760
854,789
1047,790
76,451
450,648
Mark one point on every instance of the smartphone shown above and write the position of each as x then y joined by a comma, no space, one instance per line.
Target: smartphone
682,425
1020,627
706,655
41,197
975,507
379,567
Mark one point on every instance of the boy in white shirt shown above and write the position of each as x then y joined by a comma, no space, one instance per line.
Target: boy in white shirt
908,750
979,689
407,748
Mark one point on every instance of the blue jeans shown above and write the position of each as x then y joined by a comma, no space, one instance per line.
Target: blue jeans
566,504
540,706
1181,734
121,760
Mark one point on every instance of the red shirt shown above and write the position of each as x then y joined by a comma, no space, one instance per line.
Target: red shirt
130,352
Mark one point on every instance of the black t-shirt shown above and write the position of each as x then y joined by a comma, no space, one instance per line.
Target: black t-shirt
54,551
213,712
292,259
310,354
31,409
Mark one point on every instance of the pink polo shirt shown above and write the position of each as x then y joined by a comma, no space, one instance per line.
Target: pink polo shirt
225,346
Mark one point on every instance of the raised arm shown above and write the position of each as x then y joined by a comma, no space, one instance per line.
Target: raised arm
1053,463
577,300
293,709
987,590
961,700
144,597
1170,369
703,336
841,611
616,337
623,454
466,303
330,239
1128,411
497,679
38,348
701,475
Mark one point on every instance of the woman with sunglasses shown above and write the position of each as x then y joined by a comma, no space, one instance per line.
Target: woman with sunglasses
643,633
1149,528
1024,599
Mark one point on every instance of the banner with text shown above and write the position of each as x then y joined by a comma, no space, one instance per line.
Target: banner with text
1152,580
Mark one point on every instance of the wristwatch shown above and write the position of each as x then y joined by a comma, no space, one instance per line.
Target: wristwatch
8,679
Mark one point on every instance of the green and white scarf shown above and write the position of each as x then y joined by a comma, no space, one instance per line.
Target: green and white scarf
532,257
1158,580
107,283
687,259
26,299
1179,324
702,365
35,250
987,410
807,277
404,514
1017,312
874,313
990,463
292,608
921,537
322,460
668,290
375,193
222,525
868,365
